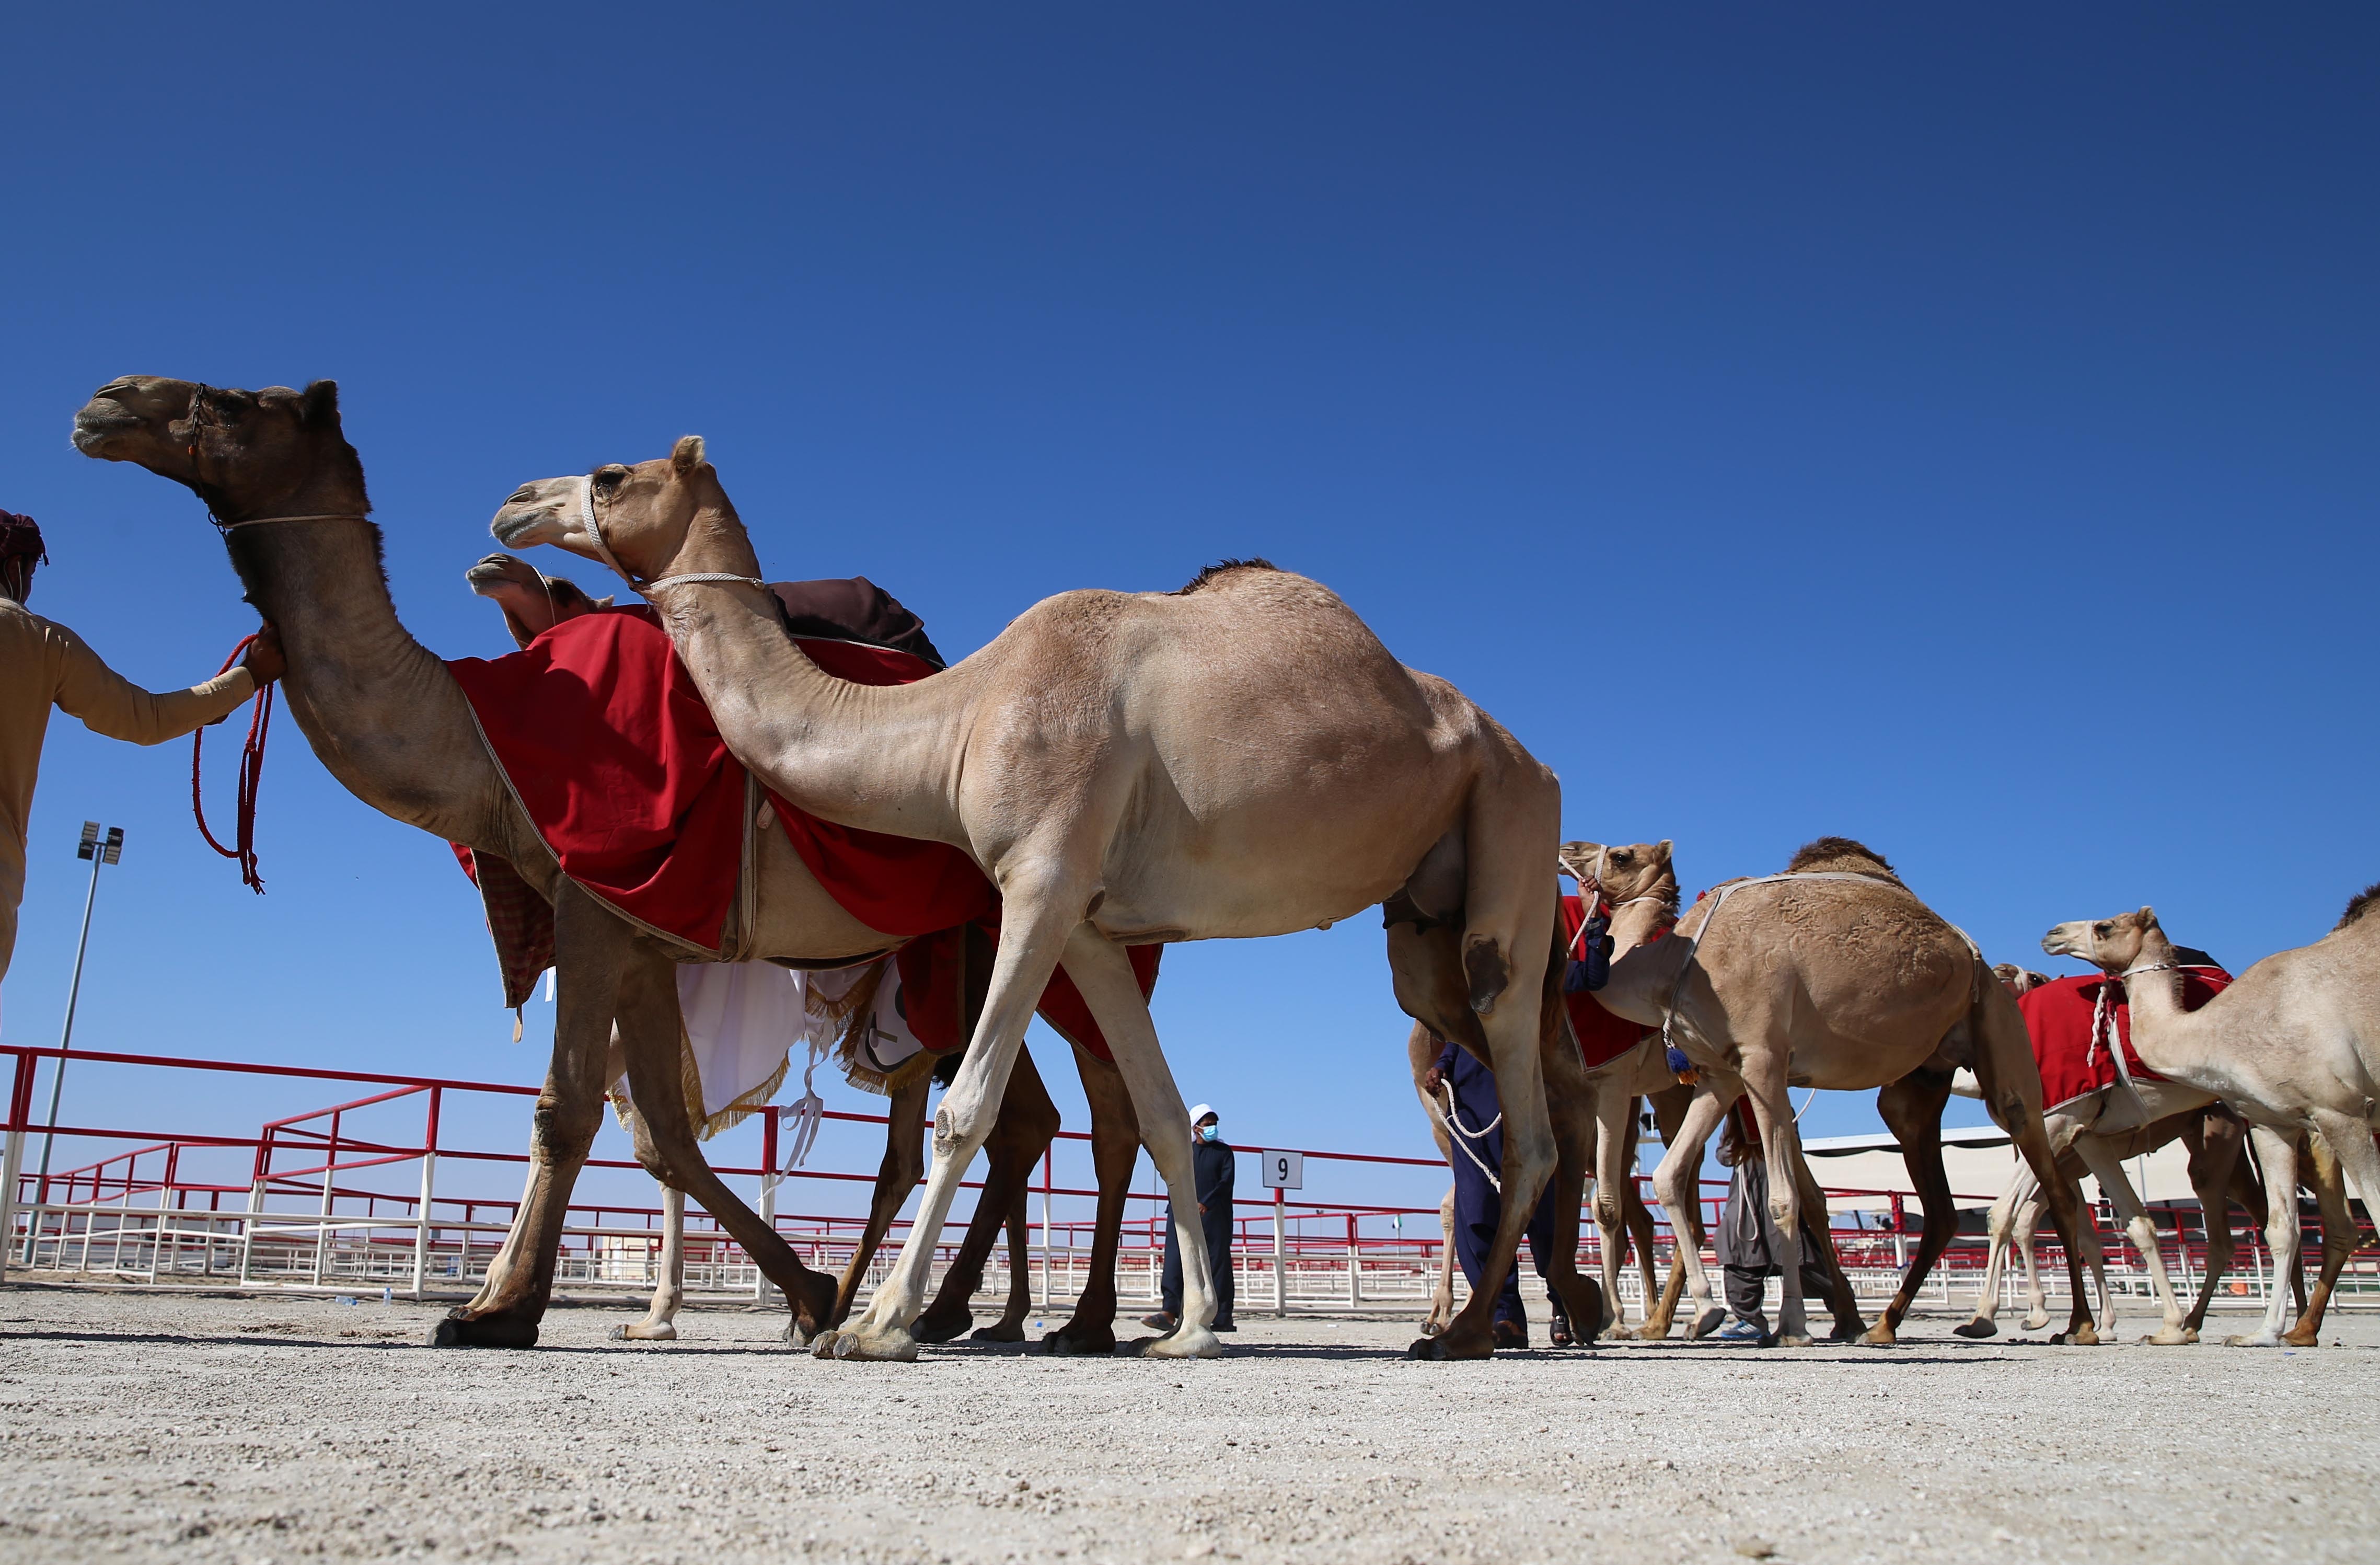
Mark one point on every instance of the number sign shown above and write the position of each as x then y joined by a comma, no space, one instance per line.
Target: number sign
1285,1171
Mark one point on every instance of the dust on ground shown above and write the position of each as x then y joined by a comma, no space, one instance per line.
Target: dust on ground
146,1425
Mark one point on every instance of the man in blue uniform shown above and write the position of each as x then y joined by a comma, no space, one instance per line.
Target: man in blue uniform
1476,1124
1212,1164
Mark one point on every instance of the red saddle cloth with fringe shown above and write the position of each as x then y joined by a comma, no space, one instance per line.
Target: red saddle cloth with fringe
1602,1037
2074,1051
602,734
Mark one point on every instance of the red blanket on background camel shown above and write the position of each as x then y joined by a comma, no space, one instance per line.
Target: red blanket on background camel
612,753
1602,1037
2075,1056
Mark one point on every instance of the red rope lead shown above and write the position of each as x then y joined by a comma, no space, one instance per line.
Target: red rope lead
251,773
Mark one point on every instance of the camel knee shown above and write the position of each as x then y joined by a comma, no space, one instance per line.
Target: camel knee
562,1134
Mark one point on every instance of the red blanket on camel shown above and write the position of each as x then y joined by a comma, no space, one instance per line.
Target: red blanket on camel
610,749
1602,1037
2074,1063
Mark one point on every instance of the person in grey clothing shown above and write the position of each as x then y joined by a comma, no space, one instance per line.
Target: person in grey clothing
1748,1242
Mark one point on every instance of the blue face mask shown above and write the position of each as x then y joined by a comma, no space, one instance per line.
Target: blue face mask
1210,1133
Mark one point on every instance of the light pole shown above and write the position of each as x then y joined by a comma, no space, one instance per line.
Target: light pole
99,852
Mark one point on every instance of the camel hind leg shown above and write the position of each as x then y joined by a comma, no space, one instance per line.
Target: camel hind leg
1842,1302
1615,1115
2010,1081
2277,1154
1115,1151
2108,1168
1679,1184
660,1324
1671,1106
1512,831
2218,1175
1912,1108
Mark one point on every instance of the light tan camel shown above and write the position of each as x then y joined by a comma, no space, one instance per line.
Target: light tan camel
1640,880
1239,758
389,721
534,602
2098,1132
1837,977
2218,1176
2293,1046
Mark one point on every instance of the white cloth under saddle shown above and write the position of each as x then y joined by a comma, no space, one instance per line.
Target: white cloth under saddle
743,1021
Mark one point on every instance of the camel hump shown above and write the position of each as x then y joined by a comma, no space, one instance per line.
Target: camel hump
1215,575
2357,905
854,609
1839,855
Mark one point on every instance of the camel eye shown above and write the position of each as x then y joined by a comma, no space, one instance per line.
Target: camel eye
608,477
2103,929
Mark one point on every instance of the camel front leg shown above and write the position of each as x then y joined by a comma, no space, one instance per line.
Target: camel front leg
2003,1222
1115,1151
1669,1108
896,1176
1780,1140
2277,1150
1615,1145
1842,1302
1912,1109
1571,1109
591,946
2108,1168
660,1324
1028,1123
1677,1183
2329,1182
1032,934
651,1028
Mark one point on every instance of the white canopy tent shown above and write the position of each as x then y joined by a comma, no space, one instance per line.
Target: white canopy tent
1979,1159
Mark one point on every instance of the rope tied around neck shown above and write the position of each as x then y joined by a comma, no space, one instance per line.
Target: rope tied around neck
251,773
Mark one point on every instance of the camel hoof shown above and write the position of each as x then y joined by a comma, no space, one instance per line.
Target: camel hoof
1447,1347
2036,1320
1880,1335
927,1328
485,1331
2081,1337
2258,1341
999,1332
1976,1329
1431,1329
1061,1344
1653,1331
1848,1330
1706,1323
2291,1337
644,1332
1781,1340
2171,1336
866,1345
1184,1342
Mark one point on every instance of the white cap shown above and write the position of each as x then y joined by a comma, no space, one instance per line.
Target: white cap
1199,1112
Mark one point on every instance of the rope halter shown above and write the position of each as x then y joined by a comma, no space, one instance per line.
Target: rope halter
595,536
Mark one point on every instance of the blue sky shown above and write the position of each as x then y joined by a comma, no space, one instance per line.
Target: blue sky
1954,431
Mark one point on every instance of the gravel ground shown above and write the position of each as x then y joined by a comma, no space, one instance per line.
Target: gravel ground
210,1427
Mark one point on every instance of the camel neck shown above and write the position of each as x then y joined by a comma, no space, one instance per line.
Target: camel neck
379,707
1643,969
2160,1025
883,759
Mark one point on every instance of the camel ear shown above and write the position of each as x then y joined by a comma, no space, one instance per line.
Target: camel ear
1662,848
687,454
318,408
2148,916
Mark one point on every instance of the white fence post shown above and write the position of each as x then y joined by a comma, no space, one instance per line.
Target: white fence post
1280,1254
422,1233
12,1164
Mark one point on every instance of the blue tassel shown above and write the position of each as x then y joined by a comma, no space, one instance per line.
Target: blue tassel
1679,1064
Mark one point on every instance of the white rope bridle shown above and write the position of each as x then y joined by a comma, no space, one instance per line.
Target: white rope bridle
595,536
259,521
2103,1015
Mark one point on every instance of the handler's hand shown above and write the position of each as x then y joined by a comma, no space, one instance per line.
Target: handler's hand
1202,1208
266,661
1429,1081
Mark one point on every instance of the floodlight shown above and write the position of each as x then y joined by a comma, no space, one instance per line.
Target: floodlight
89,840
114,843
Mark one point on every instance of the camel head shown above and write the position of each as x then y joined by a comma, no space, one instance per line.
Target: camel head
532,601
2019,980
248,455
2112,945
637,519
1627,871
